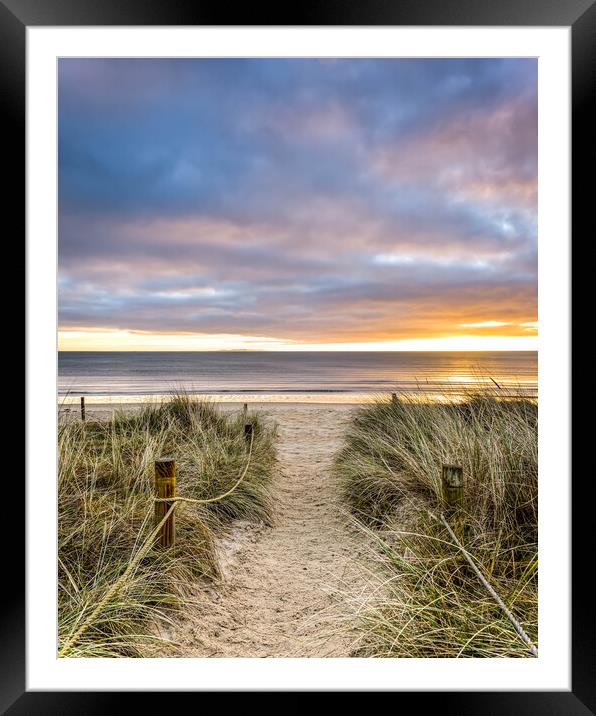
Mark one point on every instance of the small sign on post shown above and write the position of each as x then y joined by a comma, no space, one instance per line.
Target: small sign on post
165,486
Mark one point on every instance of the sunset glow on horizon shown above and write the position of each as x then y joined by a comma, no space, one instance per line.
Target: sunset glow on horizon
298,204
128,341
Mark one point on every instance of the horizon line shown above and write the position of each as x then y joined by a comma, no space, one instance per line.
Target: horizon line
319,350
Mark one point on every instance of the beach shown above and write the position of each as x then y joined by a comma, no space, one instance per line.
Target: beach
297,583
287,590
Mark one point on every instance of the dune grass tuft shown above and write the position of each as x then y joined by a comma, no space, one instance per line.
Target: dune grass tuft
105,510
424,599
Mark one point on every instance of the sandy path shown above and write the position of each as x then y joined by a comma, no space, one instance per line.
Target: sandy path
286,589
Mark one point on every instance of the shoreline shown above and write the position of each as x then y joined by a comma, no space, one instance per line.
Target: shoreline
224,399
235,401
270,411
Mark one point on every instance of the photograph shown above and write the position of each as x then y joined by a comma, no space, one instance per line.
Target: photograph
298,353
298,334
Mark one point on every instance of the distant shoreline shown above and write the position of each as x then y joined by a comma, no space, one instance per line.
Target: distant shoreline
259,401
232,401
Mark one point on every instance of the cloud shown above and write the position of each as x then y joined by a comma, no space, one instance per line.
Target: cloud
485,324
297,199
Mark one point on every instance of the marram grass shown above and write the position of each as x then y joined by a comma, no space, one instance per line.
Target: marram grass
105,512
424,600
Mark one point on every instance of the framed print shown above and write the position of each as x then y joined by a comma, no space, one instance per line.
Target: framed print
295,291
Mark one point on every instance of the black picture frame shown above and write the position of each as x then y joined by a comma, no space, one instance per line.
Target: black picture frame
580,15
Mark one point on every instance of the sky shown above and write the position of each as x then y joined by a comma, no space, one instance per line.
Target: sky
297,204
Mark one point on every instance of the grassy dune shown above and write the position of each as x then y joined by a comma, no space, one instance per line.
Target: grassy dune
425,600
105,510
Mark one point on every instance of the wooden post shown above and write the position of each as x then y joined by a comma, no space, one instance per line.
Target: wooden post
165,486
394,399
248,432
452,482
245,408
83,408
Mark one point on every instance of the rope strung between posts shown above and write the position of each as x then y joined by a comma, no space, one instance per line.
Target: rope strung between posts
517,626
119,583
212,499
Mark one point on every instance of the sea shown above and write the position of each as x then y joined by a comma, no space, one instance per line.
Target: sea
323,377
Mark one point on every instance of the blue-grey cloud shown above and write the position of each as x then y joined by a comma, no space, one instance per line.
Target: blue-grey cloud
296,198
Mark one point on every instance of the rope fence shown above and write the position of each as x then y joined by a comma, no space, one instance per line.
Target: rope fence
166,502
141,553
452,484
516,625
219,497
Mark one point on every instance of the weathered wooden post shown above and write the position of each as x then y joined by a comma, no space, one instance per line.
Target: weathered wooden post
248,432
452,483
165,486
245,408
83,408
394,399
